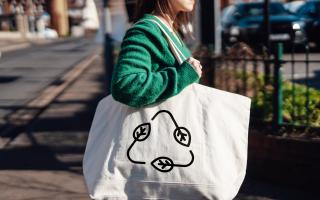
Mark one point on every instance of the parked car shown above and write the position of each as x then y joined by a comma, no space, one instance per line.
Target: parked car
310,14
245,22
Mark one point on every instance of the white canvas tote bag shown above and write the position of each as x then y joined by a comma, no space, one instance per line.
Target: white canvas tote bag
192,146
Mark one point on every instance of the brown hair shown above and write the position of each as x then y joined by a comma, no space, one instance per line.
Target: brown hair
163,7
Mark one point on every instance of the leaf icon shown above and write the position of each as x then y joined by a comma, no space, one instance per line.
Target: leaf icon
142,132
163,164
182,136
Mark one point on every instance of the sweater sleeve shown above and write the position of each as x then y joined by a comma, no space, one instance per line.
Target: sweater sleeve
136,84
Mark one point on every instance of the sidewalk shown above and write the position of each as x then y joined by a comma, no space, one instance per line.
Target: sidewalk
46,162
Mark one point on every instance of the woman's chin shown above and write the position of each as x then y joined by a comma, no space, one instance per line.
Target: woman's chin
188,9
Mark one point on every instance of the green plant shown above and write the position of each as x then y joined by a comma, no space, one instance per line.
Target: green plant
295,110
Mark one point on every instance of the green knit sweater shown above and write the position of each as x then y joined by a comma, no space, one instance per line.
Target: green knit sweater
146,71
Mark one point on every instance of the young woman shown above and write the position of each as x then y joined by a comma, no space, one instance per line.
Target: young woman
147,71
131,157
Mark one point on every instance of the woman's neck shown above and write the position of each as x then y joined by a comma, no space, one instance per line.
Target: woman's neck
166,18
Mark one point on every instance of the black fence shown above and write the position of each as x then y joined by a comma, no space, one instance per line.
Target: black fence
285,91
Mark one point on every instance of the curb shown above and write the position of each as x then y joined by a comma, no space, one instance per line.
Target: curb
28,43
15,47
286,161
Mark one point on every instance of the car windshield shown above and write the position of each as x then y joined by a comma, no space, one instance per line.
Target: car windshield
257,9
312,7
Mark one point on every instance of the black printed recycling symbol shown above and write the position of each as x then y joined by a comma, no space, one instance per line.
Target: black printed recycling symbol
162,164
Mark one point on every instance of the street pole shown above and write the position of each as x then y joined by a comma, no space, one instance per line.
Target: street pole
267,39
108,46
207,22
217,38
267,23
59,19
210,25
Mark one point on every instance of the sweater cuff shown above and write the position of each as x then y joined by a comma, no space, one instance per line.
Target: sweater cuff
188,72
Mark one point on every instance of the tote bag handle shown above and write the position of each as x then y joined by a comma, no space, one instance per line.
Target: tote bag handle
175,50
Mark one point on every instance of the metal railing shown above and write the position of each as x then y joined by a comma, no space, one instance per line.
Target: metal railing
278,95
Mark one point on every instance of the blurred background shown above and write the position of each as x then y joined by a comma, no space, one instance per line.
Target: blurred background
56,60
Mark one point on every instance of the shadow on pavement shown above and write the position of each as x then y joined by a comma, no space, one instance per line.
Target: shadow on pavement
56,139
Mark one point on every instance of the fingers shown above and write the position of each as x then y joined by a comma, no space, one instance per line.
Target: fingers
196,65
194,60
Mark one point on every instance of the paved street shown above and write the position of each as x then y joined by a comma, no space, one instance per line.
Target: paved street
300,70
298,65
26,72
45,163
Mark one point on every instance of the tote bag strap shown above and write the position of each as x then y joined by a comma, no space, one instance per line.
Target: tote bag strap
175,50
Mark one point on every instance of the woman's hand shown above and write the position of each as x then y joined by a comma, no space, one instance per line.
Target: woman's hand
196,65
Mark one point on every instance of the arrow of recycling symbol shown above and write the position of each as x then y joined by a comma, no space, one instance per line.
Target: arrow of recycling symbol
163,164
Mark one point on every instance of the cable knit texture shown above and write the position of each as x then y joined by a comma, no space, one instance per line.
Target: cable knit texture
146,71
